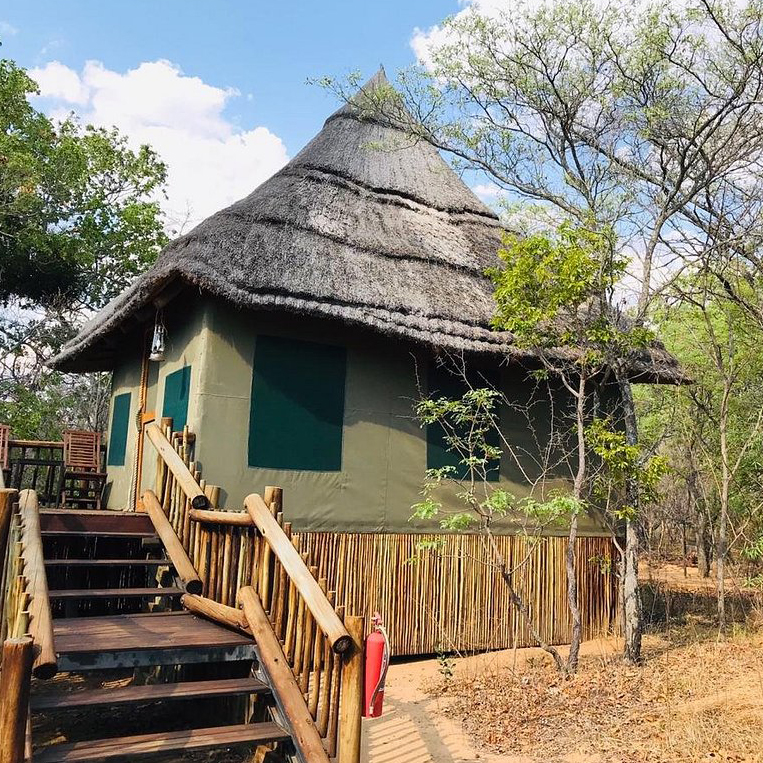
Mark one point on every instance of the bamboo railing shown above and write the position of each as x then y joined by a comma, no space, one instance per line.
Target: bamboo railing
26,628
259,568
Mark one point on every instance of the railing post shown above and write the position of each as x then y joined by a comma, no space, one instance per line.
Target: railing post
351,706
7,499
15,680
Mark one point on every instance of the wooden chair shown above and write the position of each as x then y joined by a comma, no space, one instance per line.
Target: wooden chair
82,480
5,436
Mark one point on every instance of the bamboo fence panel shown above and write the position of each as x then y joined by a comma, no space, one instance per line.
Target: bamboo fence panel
448,596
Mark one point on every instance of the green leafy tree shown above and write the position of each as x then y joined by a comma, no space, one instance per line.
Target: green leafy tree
79,218
644,121
717,422
470,427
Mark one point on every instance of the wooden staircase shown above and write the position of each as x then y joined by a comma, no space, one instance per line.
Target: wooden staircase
106,562
105,609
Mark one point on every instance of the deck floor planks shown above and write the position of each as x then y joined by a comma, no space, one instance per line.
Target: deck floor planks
225,687
166,630
194,739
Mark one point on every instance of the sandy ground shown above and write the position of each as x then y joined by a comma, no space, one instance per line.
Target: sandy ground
414,727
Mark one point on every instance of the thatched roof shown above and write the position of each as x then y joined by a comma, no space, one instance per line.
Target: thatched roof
364,225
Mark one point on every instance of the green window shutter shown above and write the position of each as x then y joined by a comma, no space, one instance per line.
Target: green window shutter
120,421
297,406
443,383
176,388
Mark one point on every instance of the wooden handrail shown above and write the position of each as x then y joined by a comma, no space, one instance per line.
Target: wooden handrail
172,545
230,617
287,693
40,617
175,464
315,599
233,518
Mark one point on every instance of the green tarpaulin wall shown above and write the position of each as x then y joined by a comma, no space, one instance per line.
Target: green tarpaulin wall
176,390
120,419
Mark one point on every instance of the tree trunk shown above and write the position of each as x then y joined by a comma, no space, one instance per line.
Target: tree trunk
704,547
720,555
632,597
519,603
699,512
572,577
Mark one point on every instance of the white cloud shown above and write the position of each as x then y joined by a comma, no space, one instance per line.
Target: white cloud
61,83
424,41
488,192
211,161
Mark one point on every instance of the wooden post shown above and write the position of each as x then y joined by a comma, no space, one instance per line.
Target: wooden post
175,464
166,423
177,554
40,617
7,499
351,705
289,698
15,680
296,569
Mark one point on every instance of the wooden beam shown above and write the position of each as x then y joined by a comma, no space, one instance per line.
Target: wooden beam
177,554
230,617
286,692
325,616
175,464
40,618
15,681
351,706
234,518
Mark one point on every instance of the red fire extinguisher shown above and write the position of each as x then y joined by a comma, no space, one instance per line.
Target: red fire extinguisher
377,662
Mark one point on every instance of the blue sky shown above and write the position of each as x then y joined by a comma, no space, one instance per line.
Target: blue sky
209,82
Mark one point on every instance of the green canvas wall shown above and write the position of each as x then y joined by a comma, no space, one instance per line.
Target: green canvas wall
120,421
177,387
376,466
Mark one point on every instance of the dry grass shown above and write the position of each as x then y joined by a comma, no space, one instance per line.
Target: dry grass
696,698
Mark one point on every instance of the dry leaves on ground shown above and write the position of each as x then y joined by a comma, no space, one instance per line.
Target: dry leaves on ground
696,701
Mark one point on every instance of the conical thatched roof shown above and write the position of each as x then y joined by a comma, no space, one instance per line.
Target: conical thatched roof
364,225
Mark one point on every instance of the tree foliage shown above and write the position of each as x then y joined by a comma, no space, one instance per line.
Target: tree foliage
79,218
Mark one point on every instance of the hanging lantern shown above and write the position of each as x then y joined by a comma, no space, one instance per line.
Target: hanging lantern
159,339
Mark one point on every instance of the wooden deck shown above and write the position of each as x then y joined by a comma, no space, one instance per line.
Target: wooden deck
126,748
164,630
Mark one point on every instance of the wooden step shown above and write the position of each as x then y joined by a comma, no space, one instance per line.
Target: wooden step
161,638
107,523
131,747
108,563
113,593
136,694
